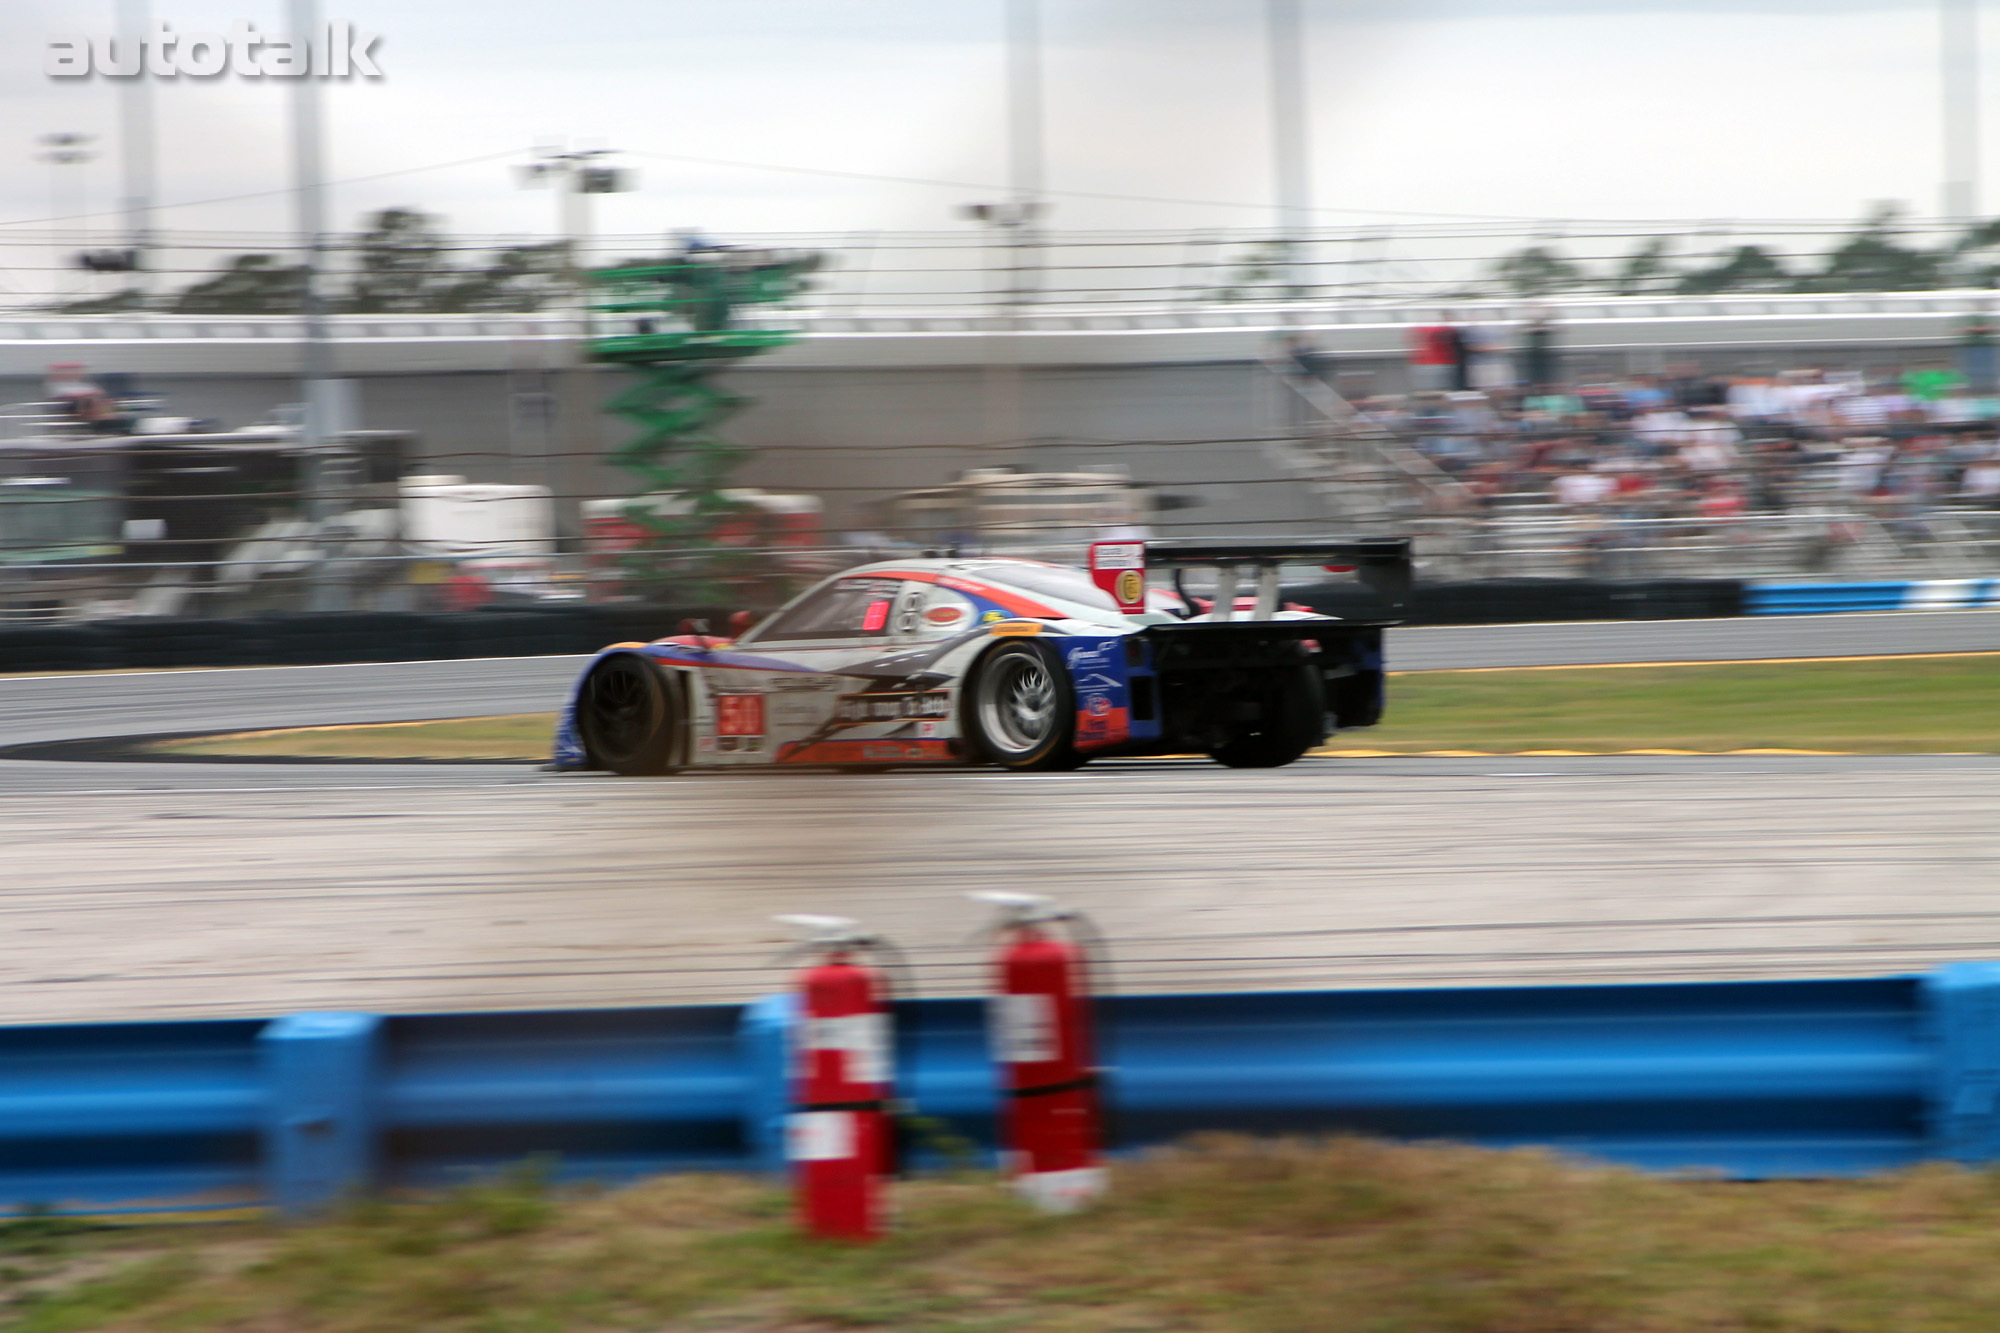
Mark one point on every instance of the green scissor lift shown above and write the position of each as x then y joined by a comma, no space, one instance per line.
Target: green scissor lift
676,326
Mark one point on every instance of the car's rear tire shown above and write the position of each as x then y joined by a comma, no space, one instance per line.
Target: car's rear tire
628,714
1019,709
1293,721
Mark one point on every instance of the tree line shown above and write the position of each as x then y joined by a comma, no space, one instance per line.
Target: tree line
1877,256
401,263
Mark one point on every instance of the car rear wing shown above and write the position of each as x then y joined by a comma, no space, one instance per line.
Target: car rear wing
1381,563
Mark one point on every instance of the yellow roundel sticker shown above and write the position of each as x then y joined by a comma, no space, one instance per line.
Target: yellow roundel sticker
1131,586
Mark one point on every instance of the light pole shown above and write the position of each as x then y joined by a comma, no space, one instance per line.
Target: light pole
1014,221
59,151
135,136
1026,151
1285,26
328,410
1005,423
1958,31
574,174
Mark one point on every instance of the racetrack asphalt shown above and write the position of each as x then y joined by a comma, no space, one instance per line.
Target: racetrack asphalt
152,890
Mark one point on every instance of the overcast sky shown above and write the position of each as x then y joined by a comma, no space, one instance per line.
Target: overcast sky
1514,108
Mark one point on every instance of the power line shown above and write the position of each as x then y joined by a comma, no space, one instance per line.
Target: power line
275,194
989,187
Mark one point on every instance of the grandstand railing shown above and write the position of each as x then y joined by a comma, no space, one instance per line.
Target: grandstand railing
888,313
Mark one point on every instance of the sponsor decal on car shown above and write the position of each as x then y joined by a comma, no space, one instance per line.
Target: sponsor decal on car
1081,658
739,715
1099,723
867,751
1103,713
945,615
794,712
992,617
894,752
855,709
804,684
1017,628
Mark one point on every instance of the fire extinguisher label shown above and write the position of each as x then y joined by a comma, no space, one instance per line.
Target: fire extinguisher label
1025,1028
1062,1191
819,1136
865,1039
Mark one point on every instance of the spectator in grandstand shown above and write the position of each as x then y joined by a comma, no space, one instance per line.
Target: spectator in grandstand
1662,428
1980,481
1708,444
1860,465
1538,354
80,399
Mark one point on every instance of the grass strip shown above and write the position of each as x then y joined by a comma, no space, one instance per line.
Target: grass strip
1223,1234
513,736
1882,706
1866,706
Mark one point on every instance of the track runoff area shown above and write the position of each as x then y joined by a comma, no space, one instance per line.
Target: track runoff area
209,889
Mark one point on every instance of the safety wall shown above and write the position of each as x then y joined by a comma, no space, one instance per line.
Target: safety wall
296,638
315,638
1799,599
1792,1078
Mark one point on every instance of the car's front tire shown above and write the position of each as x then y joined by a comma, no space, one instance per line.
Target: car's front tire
1292,721
1020,711
628,714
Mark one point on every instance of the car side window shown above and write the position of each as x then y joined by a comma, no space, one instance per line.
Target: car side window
849,609
939,614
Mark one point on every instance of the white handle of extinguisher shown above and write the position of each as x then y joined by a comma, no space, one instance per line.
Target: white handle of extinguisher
1021,907
823,929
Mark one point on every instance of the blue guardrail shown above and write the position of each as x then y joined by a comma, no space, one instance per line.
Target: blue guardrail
1783,1078
1801,599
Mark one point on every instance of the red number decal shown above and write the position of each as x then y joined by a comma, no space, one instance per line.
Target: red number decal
739,714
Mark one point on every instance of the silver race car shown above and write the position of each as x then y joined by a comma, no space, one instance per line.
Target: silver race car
990,660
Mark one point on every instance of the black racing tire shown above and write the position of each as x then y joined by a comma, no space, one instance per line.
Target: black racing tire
1293,722
628,714
1019,710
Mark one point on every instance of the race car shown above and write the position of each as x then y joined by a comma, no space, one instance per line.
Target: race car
988,660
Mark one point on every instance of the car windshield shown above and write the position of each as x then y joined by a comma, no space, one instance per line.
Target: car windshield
1072,585
850,608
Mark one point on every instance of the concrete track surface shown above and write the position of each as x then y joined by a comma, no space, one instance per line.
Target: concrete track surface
155,890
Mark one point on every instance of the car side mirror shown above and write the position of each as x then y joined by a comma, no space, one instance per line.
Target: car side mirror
741,622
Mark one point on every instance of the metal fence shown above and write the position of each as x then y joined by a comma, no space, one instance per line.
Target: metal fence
972,266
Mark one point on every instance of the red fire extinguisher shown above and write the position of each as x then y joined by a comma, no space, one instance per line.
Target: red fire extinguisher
838,1135
1051,1119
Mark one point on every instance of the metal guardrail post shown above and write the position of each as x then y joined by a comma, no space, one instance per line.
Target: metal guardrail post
765,1040
320,1074
1962,1003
